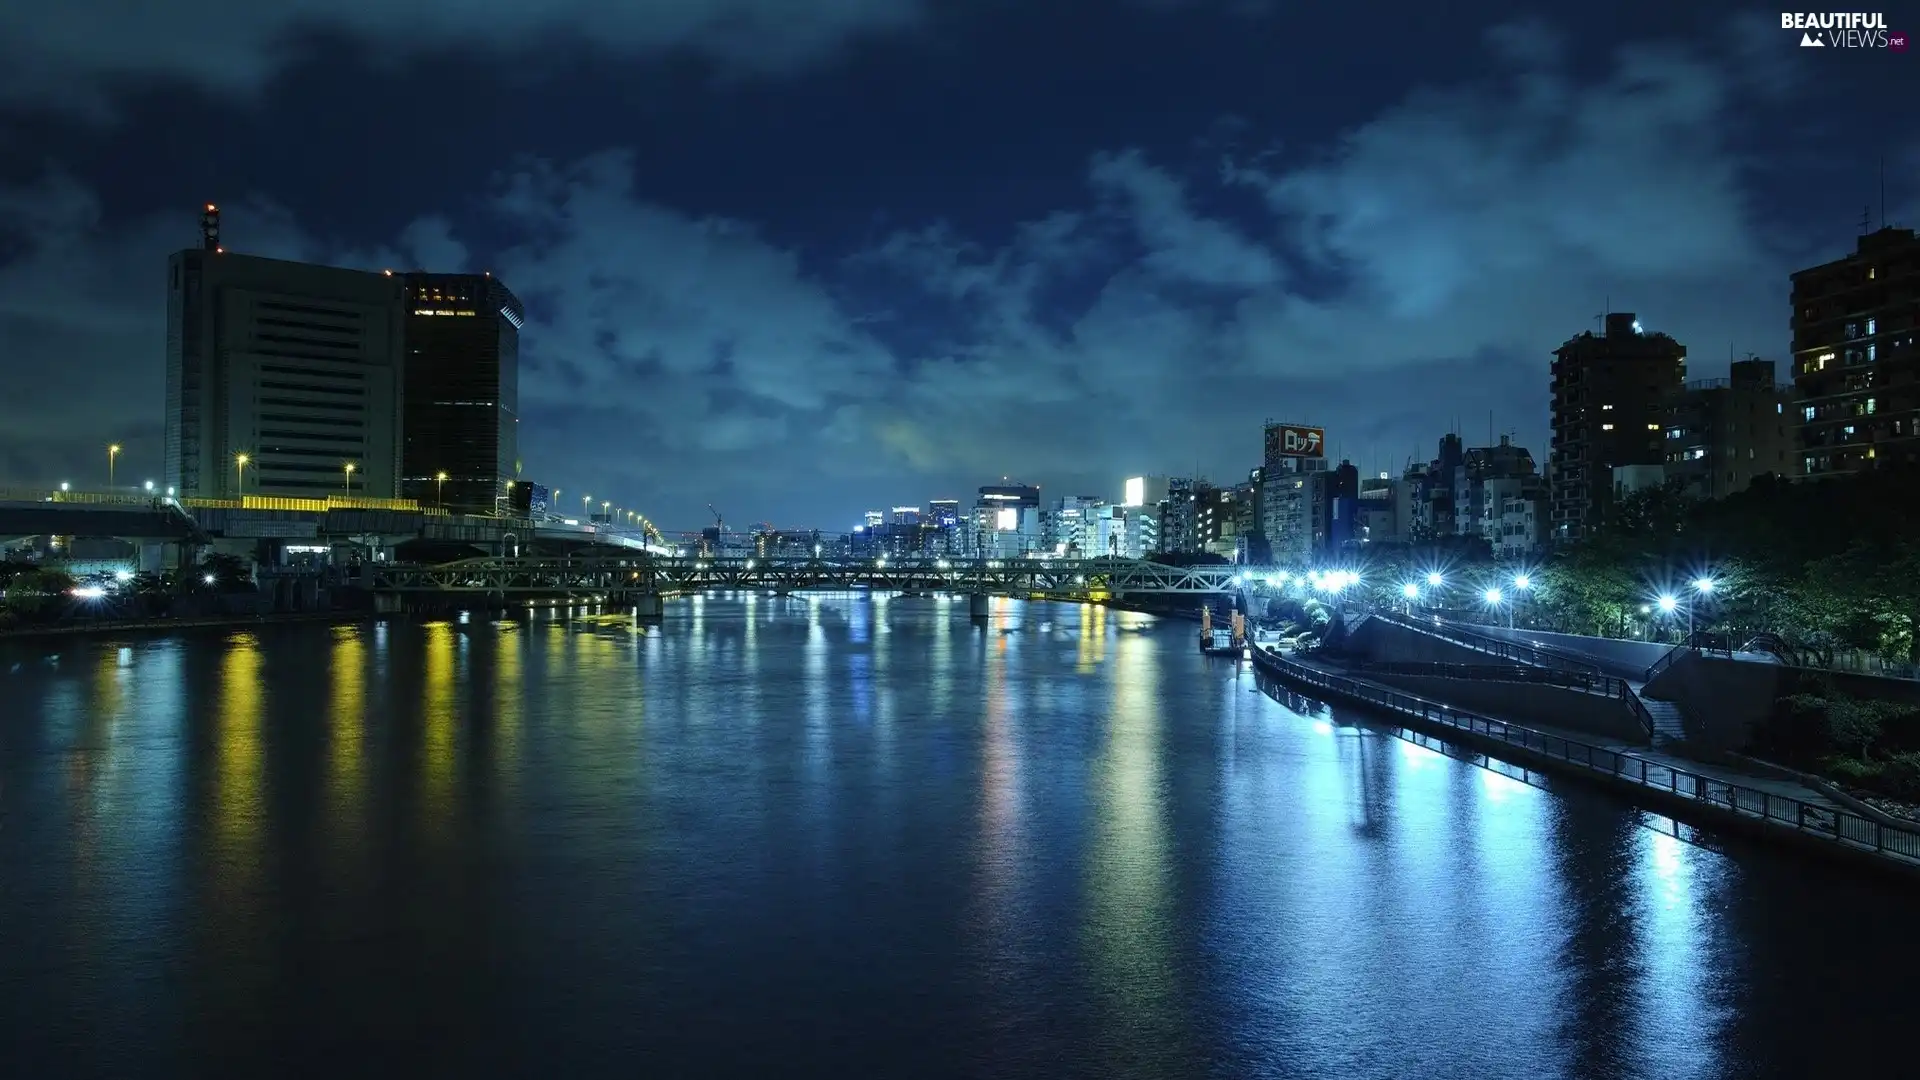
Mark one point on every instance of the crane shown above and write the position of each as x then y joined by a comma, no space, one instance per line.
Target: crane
718,522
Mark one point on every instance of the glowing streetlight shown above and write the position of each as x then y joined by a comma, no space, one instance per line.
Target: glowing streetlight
1703,585
1523,582
586,504
1494,596
1668,602
113,451
1435,580
440,489
347,469
1410,591
240,461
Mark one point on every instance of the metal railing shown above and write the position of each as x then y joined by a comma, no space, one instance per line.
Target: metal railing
1500,647
1783,811
1666,660
1591,682
1588,681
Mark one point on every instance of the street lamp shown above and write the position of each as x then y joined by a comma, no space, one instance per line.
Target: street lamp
586,505
440,489
1410,591
1435,580
239,474
348,470
113,451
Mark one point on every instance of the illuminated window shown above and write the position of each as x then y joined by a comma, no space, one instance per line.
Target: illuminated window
1653,427
1603,408
1606,427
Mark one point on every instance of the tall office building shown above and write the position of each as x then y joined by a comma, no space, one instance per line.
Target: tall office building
462,411
1610,397
1855,366
1723,433
293,369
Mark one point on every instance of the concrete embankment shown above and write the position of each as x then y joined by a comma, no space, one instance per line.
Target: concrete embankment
1769,809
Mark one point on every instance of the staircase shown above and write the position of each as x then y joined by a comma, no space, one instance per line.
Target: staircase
1669,724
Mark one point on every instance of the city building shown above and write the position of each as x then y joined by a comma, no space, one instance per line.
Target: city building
460,416
1071,526
905,515
1379,507
1724,433
1006,520
1856,369
1497,495
1178,531
283,378
1514,514
1610,396
1339,529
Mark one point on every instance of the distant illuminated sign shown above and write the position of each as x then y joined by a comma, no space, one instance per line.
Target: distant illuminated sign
1136,491
1303,442
1009,520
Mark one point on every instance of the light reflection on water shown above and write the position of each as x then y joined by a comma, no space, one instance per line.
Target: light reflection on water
863,836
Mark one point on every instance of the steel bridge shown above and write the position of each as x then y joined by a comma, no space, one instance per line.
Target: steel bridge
621,577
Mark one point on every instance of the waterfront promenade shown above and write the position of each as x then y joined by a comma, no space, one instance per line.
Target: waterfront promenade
1768,806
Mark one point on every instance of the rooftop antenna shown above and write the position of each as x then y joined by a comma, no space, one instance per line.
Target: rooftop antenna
210,227
1866,220
1883,191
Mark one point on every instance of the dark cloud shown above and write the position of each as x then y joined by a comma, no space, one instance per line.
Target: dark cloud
1416,271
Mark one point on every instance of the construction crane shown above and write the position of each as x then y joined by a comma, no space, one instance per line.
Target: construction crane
718,522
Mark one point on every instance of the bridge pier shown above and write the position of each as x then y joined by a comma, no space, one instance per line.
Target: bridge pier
978,604
646,605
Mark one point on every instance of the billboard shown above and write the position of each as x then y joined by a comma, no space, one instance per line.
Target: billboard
1008,520
1136,491
1290,440
527,499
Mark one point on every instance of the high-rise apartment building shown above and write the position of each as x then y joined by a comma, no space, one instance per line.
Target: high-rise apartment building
1724,433
1610,397
283,378
1856,368
462,413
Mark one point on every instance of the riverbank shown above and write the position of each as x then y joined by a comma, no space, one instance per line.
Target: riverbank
106,628
1684,790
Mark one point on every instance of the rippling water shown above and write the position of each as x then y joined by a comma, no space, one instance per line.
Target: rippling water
848,837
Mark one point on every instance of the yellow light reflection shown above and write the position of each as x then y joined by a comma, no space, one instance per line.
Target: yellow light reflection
1093,638
438,706
1129,938
238,805
346,748
508,686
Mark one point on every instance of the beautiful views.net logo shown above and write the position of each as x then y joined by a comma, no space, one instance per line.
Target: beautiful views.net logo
1844,30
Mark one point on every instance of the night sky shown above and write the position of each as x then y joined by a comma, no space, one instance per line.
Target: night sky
799,258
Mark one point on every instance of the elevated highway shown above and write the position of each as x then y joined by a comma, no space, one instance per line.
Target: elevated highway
337,519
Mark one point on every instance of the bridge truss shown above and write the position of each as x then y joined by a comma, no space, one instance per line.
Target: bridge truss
600,575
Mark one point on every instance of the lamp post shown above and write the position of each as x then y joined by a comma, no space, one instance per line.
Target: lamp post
1522,584
440,489
347,469
113,451
586,507
1702,587
240,474
1497,600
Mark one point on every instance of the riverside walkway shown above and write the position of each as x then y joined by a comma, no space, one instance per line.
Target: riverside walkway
1768,806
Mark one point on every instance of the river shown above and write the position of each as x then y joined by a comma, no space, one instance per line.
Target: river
856,836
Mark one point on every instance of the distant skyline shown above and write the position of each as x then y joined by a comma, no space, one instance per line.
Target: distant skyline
800,260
